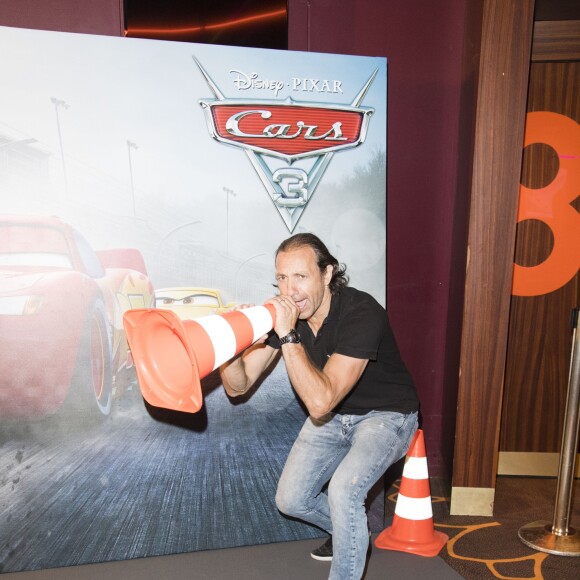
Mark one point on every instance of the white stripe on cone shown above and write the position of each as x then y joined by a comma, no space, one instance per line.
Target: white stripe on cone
222,337
414,508
260,318
416,468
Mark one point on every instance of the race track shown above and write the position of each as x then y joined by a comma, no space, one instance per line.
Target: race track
146,481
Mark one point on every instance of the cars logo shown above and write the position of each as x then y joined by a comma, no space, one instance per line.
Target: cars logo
291,131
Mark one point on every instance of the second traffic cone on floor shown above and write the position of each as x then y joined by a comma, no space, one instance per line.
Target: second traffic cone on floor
412,528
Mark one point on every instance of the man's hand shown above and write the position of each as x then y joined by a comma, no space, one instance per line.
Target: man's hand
286,314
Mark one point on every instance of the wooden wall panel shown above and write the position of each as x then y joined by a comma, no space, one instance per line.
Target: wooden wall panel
556,40
540,339
503,81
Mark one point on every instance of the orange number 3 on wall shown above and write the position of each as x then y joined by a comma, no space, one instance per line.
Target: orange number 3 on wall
551,205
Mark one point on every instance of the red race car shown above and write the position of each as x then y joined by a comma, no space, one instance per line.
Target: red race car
62,342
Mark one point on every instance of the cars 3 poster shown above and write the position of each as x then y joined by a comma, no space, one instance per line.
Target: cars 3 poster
143,174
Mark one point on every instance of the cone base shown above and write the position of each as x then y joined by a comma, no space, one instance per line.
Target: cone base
386,541
166,366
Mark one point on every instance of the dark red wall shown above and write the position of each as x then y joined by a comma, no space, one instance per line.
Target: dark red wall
86,16
423,42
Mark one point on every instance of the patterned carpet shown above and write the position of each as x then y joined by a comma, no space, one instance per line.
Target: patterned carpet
489,547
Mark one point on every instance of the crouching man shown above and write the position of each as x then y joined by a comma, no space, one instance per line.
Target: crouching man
343,362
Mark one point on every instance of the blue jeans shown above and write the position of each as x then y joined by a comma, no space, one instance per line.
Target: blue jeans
351,452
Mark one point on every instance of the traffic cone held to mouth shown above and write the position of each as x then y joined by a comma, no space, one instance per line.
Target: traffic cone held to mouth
171,355
412,529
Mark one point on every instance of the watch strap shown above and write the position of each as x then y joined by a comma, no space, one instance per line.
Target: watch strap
291,337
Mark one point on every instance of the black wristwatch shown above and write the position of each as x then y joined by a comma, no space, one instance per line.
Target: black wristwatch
292,336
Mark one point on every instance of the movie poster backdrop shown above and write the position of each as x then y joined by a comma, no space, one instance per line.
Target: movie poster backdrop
150,174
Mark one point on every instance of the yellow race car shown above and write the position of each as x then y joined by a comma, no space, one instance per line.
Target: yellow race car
191,302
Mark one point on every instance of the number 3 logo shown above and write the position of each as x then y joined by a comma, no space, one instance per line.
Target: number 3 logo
551,205
295,194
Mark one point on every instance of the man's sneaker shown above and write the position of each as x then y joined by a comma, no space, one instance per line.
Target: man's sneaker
323,552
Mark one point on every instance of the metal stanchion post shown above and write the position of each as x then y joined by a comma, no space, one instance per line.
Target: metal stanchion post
558,538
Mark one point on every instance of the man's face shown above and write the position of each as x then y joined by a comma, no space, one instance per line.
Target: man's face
299,277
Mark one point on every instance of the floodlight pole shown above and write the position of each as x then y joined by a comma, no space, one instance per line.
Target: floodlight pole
131,145
228,192
60,103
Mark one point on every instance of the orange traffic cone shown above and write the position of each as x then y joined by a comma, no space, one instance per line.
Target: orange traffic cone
412,529
171,355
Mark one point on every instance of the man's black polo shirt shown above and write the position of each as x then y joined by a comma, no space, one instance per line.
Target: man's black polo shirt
358,326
